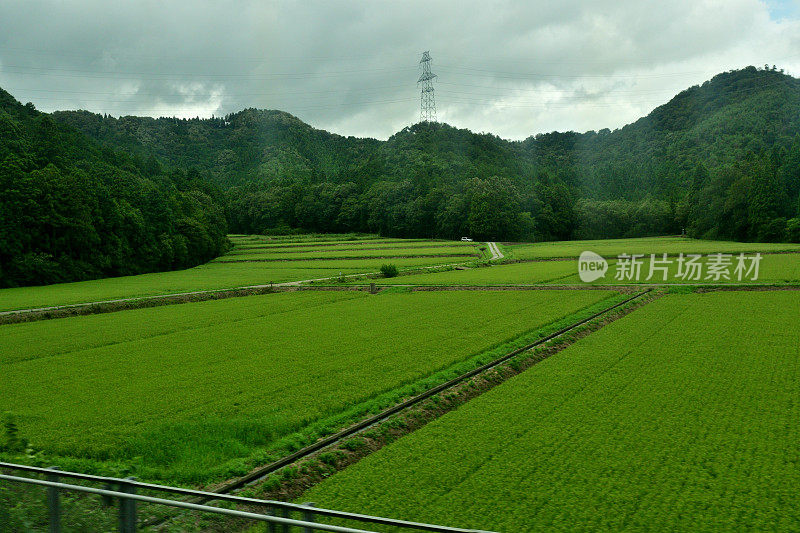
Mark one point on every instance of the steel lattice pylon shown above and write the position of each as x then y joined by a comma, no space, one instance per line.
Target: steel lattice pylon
427,103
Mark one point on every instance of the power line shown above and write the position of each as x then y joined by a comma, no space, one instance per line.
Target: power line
161,75
325,93
534,75
584,101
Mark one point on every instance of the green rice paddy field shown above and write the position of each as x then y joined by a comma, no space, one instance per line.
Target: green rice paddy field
778,268
316,258
210,276
648,245
321,253
198,391
682,416
236,272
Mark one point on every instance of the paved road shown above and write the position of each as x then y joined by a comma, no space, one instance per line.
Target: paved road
496,253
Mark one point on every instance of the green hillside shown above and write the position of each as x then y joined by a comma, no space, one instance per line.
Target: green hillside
71,209
720,160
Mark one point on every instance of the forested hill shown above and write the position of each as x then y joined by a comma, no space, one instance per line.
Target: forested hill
728,119
71,209
84,195
719,160
239,148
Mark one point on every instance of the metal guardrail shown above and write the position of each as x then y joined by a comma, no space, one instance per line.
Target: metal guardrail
126,494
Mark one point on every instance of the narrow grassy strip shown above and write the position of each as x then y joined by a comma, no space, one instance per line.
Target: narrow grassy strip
210,276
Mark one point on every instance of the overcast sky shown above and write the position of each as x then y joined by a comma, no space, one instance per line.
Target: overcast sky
510,68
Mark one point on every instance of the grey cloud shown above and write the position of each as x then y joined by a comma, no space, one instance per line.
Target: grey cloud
511,68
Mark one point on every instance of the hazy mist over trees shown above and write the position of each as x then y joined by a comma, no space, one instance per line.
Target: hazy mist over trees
720,160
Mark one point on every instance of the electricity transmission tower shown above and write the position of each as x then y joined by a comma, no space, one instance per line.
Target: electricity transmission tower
427,104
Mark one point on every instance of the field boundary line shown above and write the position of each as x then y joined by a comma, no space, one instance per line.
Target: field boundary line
143,302
612,257
136,302
342,258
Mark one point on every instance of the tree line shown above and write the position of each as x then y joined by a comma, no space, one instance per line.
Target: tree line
728,142
71,210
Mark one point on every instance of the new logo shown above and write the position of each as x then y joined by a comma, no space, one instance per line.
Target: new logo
591,267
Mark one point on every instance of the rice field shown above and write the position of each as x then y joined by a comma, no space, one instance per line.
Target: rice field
211,276
778,269
201,391
530,273
325,253
233,271
311,238
681,416
648,245
418,251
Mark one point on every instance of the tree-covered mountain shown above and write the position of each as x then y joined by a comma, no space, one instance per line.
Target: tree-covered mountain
720,160
71,209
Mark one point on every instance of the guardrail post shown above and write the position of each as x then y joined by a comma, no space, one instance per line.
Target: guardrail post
127,508
272,527
308,516
53,504
372,288
286,515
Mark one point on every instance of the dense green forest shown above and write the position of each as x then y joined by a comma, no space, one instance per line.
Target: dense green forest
87,195
71,209
720,160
